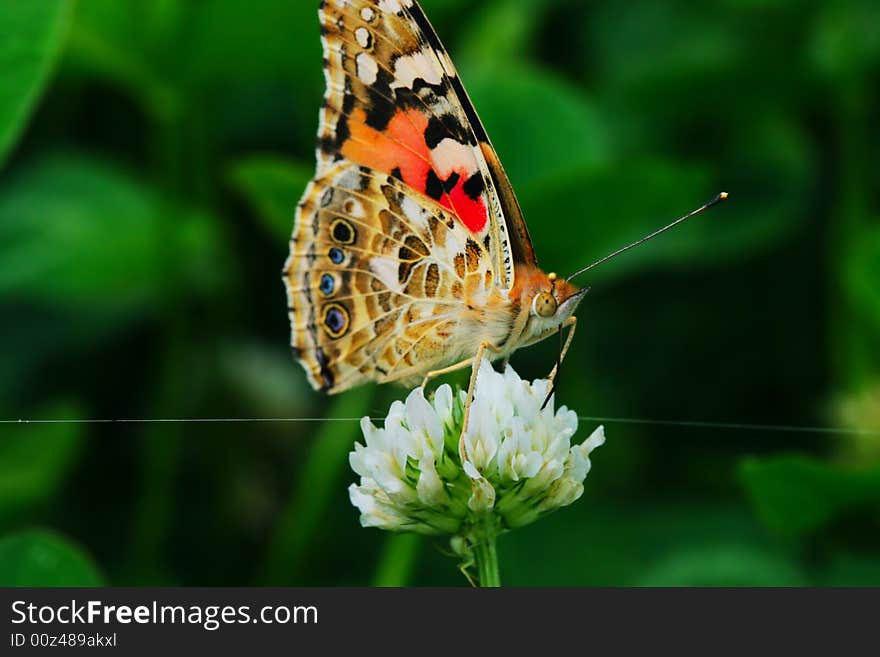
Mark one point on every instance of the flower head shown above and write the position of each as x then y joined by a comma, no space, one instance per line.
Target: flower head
514,462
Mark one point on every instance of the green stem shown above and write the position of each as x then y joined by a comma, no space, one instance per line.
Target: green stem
398,560
487,559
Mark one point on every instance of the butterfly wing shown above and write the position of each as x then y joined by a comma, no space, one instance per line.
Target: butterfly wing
405,169
376,280
395,103
520,242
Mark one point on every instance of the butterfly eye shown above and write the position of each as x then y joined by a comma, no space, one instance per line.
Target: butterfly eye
545,305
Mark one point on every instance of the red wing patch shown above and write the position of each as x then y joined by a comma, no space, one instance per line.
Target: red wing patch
392,105
402,151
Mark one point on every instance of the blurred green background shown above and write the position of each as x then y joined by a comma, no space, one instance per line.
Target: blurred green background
152,155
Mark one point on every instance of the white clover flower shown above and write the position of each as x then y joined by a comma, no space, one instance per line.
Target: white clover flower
514,463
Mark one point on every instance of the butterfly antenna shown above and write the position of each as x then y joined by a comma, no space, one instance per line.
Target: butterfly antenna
715,200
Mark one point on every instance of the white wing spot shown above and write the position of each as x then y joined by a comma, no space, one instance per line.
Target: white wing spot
367,68
367,14
414,213
392,6
385,270
363,36
418,65
348,178
455,241
355,209
450,155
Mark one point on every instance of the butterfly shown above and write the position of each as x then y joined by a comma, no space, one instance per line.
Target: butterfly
410,256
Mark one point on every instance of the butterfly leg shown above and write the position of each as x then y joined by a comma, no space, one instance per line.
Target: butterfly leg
467,362
477,359
433,374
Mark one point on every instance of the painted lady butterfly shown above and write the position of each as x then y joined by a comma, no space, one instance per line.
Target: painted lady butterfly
410,255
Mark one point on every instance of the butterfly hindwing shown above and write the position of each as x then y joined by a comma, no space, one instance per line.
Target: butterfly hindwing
374,279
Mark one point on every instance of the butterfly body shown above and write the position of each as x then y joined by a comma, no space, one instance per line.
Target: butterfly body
409,251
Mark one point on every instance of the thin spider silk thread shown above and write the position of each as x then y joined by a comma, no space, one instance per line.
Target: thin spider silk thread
694,424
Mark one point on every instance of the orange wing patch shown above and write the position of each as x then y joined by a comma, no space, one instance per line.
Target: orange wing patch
402,150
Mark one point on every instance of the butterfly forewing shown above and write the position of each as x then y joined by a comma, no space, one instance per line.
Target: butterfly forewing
521,250
403,231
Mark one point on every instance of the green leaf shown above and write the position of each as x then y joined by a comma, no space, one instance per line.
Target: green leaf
796,495
542,126
32,36
514,27
596,543
35,458
685,46
273,186
44,558
166,53
265,36
128,44
78,233
728,564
